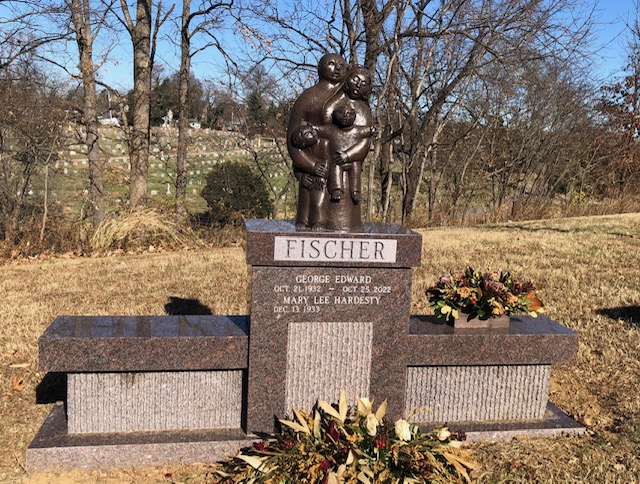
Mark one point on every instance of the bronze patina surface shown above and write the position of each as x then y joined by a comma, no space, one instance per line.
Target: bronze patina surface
328,138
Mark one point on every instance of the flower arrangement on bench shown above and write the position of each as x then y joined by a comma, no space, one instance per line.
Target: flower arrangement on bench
476,295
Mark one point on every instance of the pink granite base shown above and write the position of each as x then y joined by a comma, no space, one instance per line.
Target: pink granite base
554,423
380,301
54,448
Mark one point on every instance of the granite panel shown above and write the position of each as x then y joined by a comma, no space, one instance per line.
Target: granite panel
54,448
477,393
282,296
261,236
124,402
527,341
144,343
323,359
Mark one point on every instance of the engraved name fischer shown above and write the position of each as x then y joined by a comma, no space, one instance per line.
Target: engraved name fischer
334,249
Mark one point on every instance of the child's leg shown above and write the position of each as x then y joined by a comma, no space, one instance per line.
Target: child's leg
317,220
335,184
355,180
302,215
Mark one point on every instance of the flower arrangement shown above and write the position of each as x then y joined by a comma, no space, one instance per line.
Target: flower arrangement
482,295
335,444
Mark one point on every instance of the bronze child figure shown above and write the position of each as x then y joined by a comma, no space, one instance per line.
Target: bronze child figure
342,136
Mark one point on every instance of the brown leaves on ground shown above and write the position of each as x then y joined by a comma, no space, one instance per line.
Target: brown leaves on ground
17,383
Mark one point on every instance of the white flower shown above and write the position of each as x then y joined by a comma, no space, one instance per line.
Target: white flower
403,430
456,444
372,424
444,433
364,406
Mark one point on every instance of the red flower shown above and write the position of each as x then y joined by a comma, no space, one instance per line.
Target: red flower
333,431
324,465
381,441
287,442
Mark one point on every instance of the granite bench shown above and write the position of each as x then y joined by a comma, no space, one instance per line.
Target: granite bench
143,389
329,312
488,382
135,373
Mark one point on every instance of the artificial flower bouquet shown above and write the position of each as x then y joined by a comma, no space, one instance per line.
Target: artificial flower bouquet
335,444
482,295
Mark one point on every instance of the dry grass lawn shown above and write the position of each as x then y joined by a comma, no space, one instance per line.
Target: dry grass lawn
587,270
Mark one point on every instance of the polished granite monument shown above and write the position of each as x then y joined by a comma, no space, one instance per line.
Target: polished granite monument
330,311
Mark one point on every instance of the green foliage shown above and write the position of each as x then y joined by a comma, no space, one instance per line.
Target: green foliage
256,112
333,444
482,295
234,191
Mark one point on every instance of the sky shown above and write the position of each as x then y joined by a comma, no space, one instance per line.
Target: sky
609,45
611,36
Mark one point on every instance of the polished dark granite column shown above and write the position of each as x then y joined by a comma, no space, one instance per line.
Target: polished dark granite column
356,287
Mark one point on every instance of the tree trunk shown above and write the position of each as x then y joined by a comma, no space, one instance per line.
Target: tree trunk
140,128
386,177
81,17
183,120
45,203
370,183
413,176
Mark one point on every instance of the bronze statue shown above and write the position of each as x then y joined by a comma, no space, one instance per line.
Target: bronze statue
328,138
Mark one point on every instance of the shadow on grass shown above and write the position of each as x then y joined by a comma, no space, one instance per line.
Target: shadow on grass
574,230
52,388
178,306
630,314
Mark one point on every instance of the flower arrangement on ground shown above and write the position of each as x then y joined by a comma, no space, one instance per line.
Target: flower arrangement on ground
334,444
482,295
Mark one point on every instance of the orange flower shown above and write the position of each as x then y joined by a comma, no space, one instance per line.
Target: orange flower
498,309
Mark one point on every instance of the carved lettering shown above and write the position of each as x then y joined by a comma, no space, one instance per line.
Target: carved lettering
334,249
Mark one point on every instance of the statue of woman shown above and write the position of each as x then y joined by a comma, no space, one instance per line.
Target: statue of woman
310,165
328,138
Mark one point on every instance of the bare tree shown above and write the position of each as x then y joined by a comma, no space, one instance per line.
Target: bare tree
23,34
85,31
32,124
201,21
620,105
51,23
143,34
443,48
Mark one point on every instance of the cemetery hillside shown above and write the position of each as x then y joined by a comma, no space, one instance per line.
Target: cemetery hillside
502,115
319,241
586,270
